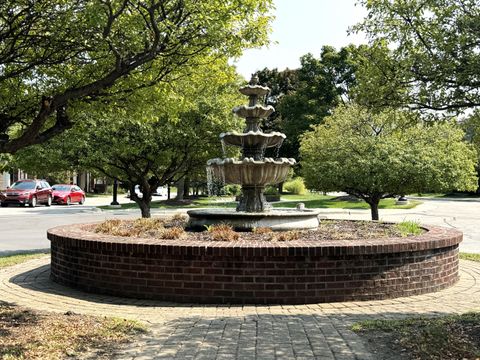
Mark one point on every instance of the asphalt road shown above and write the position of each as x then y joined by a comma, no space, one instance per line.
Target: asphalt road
25,228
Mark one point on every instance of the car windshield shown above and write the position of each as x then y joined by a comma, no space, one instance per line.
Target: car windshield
61,187
24,185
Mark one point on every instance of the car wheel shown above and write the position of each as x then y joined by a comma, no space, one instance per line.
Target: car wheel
69,201
82,200
33,202
49,201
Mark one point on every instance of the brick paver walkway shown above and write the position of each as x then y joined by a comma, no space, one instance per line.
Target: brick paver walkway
181,331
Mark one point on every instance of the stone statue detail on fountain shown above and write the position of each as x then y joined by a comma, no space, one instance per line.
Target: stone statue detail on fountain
253,171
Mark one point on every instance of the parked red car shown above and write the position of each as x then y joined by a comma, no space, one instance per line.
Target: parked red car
67,194
27,192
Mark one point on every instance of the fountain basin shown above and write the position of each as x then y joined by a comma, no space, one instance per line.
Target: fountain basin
249,171
276,219
253,139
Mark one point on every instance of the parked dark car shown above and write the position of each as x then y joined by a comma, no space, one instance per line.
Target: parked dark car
27,192
67,194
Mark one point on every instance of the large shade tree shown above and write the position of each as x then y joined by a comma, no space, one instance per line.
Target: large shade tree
157,136
425,54
375,156
58,56
281,83
322,84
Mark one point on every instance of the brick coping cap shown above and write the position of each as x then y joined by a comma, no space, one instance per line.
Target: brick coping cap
76,235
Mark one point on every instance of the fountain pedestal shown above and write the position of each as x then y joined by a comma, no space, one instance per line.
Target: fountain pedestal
253,199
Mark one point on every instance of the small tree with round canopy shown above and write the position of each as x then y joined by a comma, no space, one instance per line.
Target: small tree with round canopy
375,156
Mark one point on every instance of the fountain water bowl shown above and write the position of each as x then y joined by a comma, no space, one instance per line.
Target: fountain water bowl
251,172
257,111
253,139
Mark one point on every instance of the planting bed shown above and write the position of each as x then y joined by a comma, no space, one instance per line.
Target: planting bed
302,270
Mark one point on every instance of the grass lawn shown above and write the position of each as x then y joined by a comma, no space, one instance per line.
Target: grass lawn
323,201
288,201
10,260
468,256
452,195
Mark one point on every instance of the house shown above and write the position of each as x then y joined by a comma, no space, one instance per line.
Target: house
4,180
7,179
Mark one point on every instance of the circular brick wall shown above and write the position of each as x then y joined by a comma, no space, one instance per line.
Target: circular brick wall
294,272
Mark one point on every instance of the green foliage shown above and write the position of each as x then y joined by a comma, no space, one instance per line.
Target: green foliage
10,260
271,190
471,257
232,189
281,83
374,156
434,58
154,137
60,57
322,83
295,186
407,228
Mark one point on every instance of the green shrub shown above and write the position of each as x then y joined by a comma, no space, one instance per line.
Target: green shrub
232,190
407,228
295,186
271,190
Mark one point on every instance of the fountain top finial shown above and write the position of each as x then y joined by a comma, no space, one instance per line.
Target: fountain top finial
254,80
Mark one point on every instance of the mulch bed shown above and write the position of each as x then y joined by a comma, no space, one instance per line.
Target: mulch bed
174,229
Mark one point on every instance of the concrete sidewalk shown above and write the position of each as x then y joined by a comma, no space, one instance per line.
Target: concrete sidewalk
216,332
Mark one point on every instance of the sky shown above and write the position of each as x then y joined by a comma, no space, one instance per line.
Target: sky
301,27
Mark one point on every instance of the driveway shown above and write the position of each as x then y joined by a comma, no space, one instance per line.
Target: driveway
25,228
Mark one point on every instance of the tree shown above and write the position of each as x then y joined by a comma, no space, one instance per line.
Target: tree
375,156
58,56
425,53
322,84
471,126
157,136
281,83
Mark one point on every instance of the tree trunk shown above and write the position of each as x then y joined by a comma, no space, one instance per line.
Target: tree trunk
478,182
144,208
374,208
186,187
180,190
145,201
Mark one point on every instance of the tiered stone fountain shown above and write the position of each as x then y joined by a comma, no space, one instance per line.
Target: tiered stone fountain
253,171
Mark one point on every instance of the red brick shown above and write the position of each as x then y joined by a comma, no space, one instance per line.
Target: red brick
262,273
